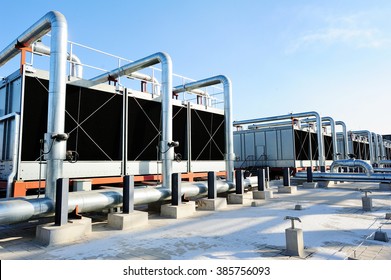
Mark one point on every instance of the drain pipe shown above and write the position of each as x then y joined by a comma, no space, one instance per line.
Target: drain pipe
56,23
167,153
40,48
369,136
322,161
221,79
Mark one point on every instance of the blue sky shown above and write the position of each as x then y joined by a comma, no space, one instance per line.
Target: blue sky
283,56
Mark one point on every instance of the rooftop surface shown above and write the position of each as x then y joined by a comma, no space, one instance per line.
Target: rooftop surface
334,225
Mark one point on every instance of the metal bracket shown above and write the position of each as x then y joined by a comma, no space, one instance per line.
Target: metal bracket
293,219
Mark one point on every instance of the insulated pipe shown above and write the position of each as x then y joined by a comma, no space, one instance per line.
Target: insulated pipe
56,23
291,116
221,79
369,136
352,163
39,47
167,153
345,138
382,149
333,136
23,208
346,177
269,125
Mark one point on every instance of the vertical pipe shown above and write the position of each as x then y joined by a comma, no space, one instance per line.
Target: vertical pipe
333,136
345,137
56,104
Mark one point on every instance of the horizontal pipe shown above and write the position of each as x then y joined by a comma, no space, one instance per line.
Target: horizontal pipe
348,177
15,210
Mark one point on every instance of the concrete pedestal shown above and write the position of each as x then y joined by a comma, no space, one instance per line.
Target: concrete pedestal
82,185
381,236
123,221
262,194
178,211
385,186
366,203
287,189
234,198
212,204
310,185
74,230
294,242
323,184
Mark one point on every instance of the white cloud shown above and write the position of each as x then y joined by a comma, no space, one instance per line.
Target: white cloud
349,31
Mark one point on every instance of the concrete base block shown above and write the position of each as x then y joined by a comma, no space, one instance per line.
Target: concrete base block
385,186
123,221
388,216
366,203
212,204
178,211
381,236
234,198
262,194
287,189
256,203
74,230
294,242
310,185
323,184
82,185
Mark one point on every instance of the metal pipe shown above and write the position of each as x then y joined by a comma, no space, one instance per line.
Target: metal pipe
351,163
369,136
382,148
333,136
345,138
56,23
221,79
39,47
22,209
270,125
346,177
167,153
291,116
